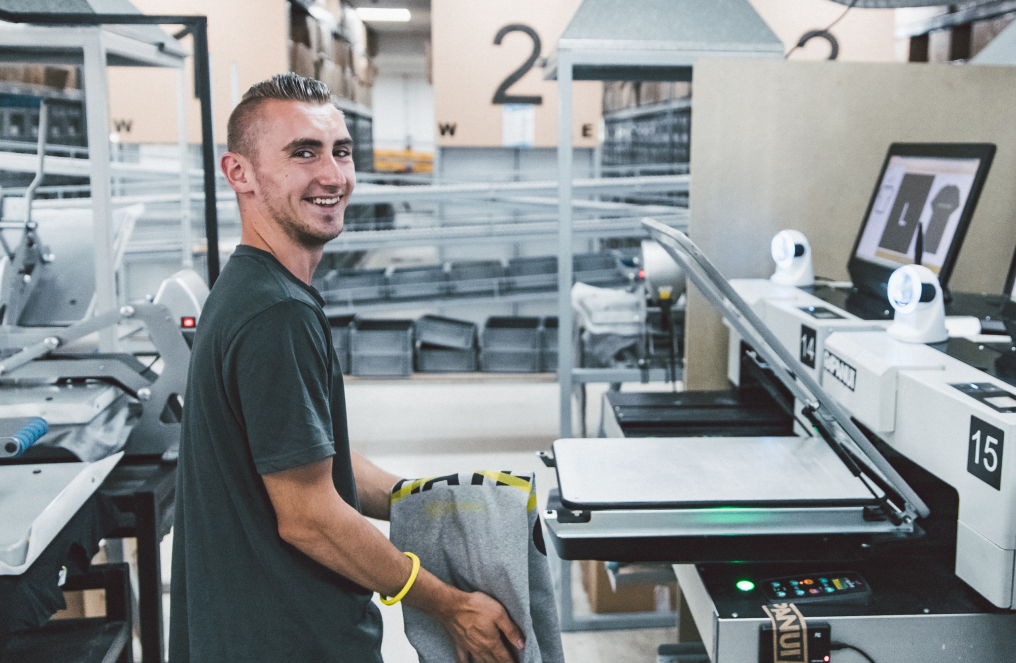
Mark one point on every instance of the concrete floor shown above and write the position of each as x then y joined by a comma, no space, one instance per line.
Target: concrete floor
426,427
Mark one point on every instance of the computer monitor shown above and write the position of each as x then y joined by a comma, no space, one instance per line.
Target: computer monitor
931,185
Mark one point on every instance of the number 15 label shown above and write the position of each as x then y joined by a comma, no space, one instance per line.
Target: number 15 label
984,454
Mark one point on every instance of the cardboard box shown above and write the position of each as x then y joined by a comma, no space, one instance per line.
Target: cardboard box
332,77
301,60
56,77
364,94
628,598
361,65
371,75
299,30
314,32
343,55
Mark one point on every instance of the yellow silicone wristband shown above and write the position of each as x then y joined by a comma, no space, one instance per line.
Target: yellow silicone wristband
409,583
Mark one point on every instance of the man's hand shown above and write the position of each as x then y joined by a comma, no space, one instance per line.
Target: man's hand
313,518
481,629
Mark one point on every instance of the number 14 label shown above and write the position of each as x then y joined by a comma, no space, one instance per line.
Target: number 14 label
984,454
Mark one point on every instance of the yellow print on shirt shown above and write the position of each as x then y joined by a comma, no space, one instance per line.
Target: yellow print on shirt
449,507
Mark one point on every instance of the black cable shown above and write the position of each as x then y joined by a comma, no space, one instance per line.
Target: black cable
836,646
826,29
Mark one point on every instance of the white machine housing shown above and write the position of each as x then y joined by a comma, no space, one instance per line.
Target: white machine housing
904,392
801,321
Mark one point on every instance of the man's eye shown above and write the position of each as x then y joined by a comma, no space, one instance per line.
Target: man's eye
344,152
303,154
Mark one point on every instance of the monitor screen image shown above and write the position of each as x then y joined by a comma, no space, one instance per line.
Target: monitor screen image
926,191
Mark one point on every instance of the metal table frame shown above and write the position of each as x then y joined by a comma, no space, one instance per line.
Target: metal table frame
145,493
84,38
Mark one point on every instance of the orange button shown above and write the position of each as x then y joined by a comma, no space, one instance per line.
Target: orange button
807,581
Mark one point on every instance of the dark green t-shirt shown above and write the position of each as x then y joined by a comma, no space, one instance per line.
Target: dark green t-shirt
264,395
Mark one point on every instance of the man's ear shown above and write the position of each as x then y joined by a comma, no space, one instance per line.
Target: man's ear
239,172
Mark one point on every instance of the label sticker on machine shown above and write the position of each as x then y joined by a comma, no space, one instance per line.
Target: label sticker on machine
808,343
790,638
984,452
839,369
821,313
993,396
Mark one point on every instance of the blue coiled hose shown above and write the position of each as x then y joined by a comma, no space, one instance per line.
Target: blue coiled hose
13,445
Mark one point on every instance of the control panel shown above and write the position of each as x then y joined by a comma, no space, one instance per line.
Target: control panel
841,587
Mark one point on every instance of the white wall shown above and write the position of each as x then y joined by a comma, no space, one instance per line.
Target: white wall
403,99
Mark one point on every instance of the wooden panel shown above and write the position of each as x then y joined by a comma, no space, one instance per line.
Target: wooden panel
799,145
468,68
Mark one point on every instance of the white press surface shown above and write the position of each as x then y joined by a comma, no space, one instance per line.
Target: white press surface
37,501
695,470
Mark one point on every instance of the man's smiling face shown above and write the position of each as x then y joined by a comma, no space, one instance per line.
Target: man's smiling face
303,168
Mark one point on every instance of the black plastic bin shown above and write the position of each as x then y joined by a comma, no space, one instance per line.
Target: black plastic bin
340,338
346,286
476,277
381,348
417,282
548,347
446,332
534,272
510,345
436,359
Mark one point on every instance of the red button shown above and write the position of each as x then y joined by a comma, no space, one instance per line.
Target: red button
813,591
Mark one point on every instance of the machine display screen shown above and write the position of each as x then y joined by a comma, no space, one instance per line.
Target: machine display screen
927,191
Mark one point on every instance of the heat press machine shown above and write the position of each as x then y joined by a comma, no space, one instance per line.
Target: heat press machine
885,524
68,413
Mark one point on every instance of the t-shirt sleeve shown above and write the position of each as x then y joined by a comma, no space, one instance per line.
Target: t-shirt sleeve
280,360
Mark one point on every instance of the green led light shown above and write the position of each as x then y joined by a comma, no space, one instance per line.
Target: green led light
745,585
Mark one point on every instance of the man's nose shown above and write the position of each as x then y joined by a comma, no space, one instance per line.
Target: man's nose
330,173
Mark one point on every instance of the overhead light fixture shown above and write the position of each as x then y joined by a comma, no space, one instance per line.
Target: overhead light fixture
389,14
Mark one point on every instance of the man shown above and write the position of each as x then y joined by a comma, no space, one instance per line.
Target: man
272,559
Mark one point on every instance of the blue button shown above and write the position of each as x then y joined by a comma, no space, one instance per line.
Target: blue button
799,592
830,590
824,581
781,594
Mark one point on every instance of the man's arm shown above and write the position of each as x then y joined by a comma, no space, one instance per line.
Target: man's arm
313,518
373,487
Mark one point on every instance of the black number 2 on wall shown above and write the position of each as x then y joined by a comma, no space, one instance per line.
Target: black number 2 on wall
502,96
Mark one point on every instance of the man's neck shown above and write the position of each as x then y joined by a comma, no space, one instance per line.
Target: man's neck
299,260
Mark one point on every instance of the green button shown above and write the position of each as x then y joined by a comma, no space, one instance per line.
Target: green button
745,585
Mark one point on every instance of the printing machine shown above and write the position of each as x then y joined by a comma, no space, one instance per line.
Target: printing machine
75,421
887,522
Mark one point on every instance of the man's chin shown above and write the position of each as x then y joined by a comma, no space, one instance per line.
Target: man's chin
315,238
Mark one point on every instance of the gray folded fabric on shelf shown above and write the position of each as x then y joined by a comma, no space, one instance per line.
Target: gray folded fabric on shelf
479,531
